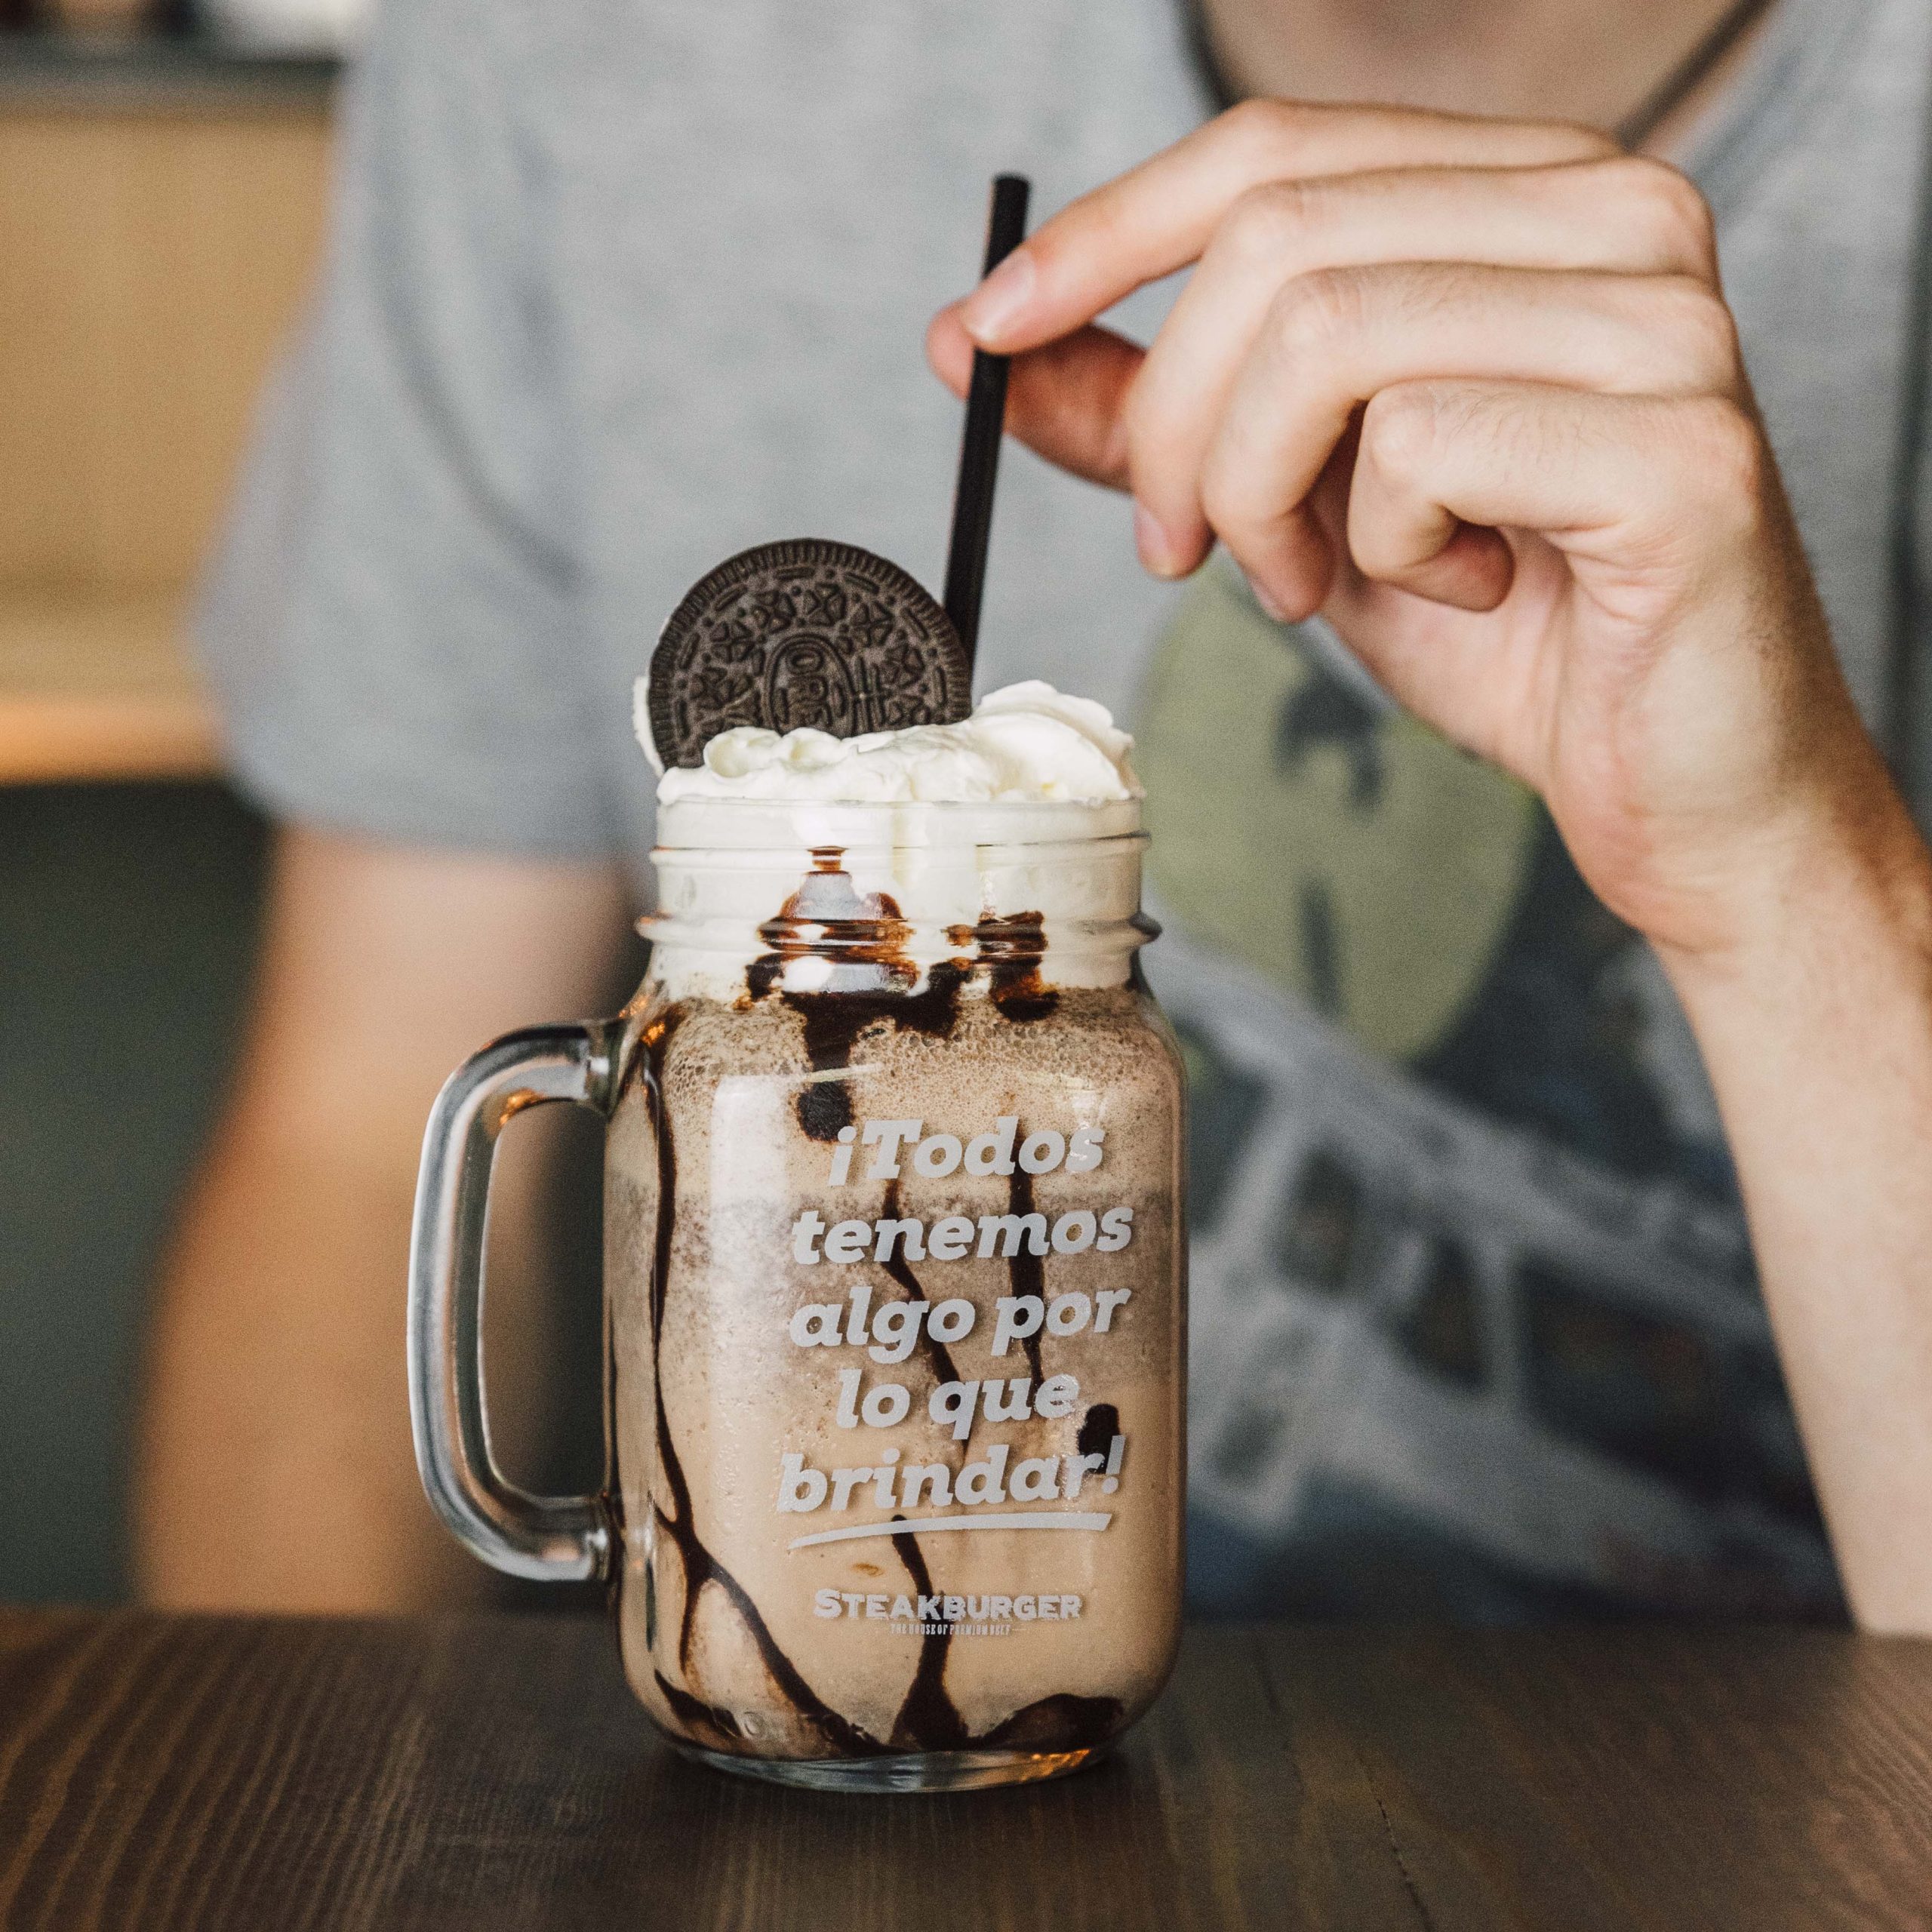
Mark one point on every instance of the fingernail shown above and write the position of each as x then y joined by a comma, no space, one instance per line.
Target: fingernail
1265,598
1151,540
991,311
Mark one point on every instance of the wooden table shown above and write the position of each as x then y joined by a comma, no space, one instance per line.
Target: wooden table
472,1774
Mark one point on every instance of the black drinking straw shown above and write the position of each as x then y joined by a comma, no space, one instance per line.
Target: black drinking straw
979,448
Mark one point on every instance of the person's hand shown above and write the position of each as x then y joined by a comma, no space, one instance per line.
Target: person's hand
1470,389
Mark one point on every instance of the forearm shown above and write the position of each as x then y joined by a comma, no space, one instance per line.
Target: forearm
274,1468
1817,1031
276,1472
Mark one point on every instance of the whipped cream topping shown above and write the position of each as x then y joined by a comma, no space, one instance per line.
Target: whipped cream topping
1027,744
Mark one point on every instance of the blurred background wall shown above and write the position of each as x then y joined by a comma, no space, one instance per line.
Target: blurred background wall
162,177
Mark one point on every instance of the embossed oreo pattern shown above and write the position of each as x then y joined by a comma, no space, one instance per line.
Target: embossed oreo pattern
805,632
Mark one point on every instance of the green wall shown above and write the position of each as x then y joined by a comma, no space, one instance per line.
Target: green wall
127,922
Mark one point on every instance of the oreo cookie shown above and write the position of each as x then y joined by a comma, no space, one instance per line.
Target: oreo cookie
807,632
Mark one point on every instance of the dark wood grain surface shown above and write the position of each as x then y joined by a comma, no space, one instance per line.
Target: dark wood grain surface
278,1775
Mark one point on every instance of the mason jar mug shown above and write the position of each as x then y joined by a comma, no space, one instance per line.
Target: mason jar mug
894,1279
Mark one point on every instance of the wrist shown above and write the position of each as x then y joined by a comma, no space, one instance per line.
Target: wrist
1842,871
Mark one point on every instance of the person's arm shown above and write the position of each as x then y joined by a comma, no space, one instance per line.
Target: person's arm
274,1466
1469,389
1816,1025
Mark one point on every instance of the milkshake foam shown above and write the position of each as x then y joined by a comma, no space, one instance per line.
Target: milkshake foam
1025,743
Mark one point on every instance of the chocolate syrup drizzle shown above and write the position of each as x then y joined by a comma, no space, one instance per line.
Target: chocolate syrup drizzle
928,1720
1011,949
864,934
826,917
1098,1428
843,1738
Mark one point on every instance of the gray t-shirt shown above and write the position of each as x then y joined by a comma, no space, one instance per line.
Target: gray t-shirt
616,290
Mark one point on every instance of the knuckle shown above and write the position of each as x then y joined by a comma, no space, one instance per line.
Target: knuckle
1400,428
1101,222
1265,219
1673,208
1696,319
1314,312
1727,445
1049,247
1724,468
1260,128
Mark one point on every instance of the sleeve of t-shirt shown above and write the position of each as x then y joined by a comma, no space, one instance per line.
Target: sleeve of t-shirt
389,623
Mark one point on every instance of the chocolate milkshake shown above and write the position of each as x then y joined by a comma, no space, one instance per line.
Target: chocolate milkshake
894,1261
894,1258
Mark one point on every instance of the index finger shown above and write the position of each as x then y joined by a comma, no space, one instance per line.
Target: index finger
1158,218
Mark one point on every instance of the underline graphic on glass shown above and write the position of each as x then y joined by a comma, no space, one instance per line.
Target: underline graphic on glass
1044,1519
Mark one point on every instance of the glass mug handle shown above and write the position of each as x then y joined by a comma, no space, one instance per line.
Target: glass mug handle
549,1538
